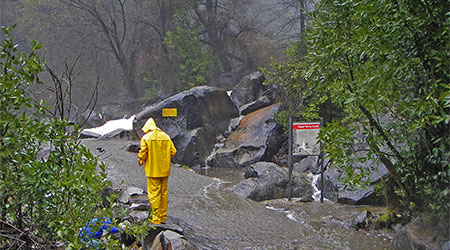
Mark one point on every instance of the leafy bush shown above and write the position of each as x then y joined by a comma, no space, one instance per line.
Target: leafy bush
50,184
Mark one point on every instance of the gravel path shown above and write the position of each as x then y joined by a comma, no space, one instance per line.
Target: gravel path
215,218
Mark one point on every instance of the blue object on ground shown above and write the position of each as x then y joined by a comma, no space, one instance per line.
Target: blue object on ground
86,233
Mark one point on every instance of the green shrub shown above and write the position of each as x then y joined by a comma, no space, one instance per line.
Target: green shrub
50,184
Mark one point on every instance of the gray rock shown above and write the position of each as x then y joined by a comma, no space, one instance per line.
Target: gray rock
271,182
250,173
119,110
175,241
234,123
138,216
156,238
359,196
134,148
227,80
307,165
194,146
334,190
330,221
248,89
262,102
124,197
423,232
91,119
126,194
135,191
89,134
156,242
140,206
360,221
257,138
142,199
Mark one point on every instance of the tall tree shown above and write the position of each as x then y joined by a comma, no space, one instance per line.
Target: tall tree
225,25
289,18
116,29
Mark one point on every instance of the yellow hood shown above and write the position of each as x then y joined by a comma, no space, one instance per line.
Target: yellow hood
149,126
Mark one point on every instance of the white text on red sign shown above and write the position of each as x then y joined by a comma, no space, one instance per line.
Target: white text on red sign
306,126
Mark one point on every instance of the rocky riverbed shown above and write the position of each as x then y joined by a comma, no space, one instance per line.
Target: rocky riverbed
213,217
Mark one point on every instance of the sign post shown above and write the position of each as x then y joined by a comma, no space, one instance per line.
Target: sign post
321,166
303,142
290,159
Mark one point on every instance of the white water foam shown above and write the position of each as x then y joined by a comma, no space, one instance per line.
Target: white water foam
216,184
290,215
314,179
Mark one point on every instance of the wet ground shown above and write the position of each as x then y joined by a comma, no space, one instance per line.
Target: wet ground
215,218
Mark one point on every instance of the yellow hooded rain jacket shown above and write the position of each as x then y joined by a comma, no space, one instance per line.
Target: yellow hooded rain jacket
157,149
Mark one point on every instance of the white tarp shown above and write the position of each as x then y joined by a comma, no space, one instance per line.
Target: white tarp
110,128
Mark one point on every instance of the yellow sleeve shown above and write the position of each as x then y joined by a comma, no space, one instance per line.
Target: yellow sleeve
142,155
173,150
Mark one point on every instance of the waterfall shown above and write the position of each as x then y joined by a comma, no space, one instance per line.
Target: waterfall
314,179
217,146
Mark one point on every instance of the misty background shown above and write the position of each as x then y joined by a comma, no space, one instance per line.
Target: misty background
139,52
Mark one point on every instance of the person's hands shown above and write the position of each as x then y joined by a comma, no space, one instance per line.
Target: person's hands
140,162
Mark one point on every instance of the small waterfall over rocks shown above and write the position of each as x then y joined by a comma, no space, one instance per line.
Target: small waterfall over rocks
314,180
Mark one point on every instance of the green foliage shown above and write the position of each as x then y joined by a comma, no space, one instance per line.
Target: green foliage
385,64
192,58
51,185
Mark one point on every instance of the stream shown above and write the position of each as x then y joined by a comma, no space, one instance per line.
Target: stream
213,217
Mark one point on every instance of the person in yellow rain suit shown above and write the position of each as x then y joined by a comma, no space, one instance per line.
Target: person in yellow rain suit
156,151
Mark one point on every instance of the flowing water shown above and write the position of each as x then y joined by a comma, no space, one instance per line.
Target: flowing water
213,217
316,225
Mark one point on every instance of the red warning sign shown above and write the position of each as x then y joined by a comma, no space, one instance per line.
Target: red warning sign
306,126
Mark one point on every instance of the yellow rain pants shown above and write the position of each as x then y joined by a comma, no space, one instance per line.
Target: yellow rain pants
158,195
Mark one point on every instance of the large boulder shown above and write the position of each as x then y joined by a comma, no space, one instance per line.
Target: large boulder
203,113
257,138
266,181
